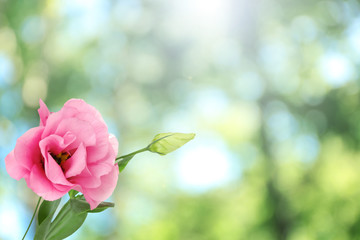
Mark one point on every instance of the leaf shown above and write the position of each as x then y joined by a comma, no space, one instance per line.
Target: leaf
80,206
72,216
46,213
72,193
123,162
102,207
66,222
165,143
47,208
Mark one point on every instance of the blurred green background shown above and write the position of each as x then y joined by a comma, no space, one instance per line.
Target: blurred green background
270,87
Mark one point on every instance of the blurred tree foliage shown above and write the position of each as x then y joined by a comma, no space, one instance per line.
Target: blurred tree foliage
277,82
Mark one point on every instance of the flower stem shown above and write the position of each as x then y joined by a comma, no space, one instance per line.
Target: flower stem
118,159
37,206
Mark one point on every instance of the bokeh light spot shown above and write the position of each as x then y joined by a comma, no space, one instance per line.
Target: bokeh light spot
34,88
336,69
6,70
204,167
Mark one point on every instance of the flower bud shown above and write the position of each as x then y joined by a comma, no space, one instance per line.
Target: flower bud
165,143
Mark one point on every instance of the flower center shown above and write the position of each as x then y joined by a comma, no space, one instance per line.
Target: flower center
61,157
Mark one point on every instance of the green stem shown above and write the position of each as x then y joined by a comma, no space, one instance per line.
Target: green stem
118,159
37,206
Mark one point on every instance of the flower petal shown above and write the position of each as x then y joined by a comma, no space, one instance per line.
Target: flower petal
13,167
85,180
81,129
76,163
39,183
99,150
27,151
89,114
96,153
108,183
82,106
103,166
43,113
114,143
100,168
54,172
56,144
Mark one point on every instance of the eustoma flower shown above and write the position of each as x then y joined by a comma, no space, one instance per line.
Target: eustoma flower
70,149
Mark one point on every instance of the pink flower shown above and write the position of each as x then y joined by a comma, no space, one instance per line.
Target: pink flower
71,149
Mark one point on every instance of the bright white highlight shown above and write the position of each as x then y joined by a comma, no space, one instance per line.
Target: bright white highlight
10,222
336,69
201,17
209,10
203,167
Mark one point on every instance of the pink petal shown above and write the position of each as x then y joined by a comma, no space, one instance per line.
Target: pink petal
104,166
54,172
96,153
108,183
62,188
56,118
81,129
93,203
15,169
56,144
27,151
68,112
114,143
89,114
100,169
52,123
82,106
43,113
42,186
86,181
99,150
76,163
77,188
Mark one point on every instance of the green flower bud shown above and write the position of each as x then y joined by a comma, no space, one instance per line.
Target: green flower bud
165,143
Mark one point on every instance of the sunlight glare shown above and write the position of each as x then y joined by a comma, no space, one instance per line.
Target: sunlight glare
210,17
203,168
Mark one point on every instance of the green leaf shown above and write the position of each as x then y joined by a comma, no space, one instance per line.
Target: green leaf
71,217
46,213
102,206
124,161
165,143
80,206
66,222
47,208
72,193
